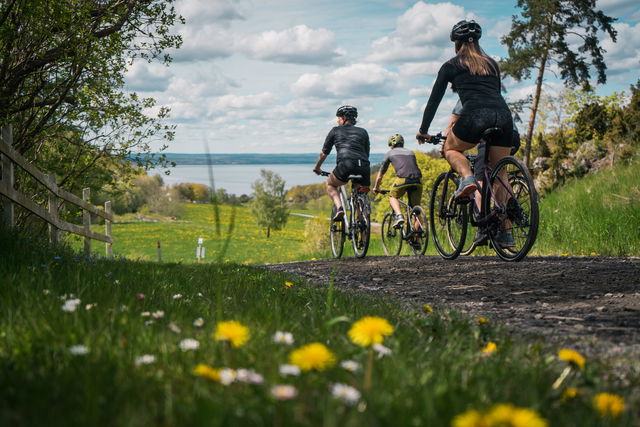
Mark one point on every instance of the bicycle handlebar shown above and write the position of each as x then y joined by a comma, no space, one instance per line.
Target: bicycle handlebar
382,191
434,139
324,173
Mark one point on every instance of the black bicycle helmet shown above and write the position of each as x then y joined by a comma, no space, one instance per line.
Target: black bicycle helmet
466,31
347,111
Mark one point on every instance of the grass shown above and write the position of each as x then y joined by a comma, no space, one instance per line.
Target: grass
436,371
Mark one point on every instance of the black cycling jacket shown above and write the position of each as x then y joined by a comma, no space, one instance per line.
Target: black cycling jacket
475,91
351,142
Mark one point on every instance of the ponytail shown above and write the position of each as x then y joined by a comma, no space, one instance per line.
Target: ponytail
471,56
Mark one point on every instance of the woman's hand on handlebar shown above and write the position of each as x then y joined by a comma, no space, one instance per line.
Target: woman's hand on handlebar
317,170
422,138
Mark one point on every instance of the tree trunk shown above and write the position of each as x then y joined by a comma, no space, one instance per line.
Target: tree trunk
534,110
268,231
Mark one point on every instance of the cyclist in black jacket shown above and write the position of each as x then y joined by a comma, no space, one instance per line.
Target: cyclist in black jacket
352,146
476,78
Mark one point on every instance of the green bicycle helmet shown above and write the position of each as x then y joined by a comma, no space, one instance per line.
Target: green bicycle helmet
396,140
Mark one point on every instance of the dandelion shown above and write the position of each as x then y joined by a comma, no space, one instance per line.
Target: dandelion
314,356
284,392
314,259
428,308
471,418
177,296
381,350
158,314
288,284
347,394
199,322
609,405
145,359
482,320
370,330
234,332
572,357
70,305
289,370
283,338
505,414
569,393
489,348
350,365
78,350
188,344
206,371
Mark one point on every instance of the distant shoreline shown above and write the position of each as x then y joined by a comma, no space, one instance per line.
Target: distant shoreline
254,158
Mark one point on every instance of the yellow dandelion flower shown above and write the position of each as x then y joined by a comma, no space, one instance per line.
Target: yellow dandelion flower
314,356
470,418
428,308
206,371
569,394
572,357
490,348
505,414
609,405
370,330
232,331
288,284
482,320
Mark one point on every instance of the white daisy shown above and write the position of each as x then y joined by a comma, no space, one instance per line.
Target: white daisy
145,359
350,365
199,322
189,344
346,393
284,392
289,370
70,305
283,338
78,350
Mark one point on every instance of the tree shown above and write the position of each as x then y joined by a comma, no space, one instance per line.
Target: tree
269,204
545,34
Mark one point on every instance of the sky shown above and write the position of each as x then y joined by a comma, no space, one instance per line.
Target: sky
266,76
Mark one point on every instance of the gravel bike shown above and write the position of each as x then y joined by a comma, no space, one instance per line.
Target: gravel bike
509,202
414,231
355,225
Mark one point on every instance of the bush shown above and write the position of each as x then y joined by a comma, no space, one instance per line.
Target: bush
316,235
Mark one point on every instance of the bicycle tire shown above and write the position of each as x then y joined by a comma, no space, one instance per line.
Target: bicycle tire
521,209
418,227
361,226
336,235
446,215
391,237
469,245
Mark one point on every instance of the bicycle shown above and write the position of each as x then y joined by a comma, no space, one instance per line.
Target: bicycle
356,222
414,231
449,218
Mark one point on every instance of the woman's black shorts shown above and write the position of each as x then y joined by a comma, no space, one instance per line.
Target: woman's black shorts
347,167
471,125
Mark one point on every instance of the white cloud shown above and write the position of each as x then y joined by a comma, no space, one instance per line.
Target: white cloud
242,106
627,9
201,43
219,11
368,80
147,77
413,69
298,45
623,56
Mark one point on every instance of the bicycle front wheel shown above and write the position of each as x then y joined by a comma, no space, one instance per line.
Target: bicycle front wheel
447,217
361,227
391,236
336,235
516,203
418,231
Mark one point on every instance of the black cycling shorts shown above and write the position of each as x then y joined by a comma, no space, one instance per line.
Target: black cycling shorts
347,167
471,125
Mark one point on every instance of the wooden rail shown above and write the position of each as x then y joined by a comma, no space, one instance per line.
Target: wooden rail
10,196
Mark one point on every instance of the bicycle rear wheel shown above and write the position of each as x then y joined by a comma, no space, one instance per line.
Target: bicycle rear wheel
448,218
391,237
418,230
469,245
361,227
520,212
336,235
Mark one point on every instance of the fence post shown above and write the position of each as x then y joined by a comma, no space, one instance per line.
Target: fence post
86,221
53,211
107,228
8,179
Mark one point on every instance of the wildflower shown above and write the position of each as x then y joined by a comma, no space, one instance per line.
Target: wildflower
177,296
381,350
428,308
482,320
90,306
206,371
149,322
284,392
145,359
232,331
288,284
46,291
140,296
227,376
70,305
470,418
78,350
145,314
369,330
350,365
314,356
505,414
249,376
347,394
199,322
189,344
608,405
289,370
158,314
283,338
174,328
200,294
489,348
569,393
314,259
572,357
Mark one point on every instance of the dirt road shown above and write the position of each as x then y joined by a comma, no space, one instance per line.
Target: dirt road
592,303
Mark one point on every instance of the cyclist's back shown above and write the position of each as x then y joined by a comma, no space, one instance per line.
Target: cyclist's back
351,142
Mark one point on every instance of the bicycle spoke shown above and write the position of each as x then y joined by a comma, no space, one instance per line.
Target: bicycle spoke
391,236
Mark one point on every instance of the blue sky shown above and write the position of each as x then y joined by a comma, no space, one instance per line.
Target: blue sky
267,76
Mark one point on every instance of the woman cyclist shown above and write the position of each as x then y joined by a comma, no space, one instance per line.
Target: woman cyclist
476,79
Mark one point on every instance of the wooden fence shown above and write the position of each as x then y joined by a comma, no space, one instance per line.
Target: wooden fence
9,196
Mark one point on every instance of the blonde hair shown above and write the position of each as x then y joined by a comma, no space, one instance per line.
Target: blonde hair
471,56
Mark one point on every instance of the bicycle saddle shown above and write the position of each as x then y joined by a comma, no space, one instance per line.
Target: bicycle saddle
491,133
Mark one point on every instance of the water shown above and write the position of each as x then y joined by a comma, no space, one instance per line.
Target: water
237,179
